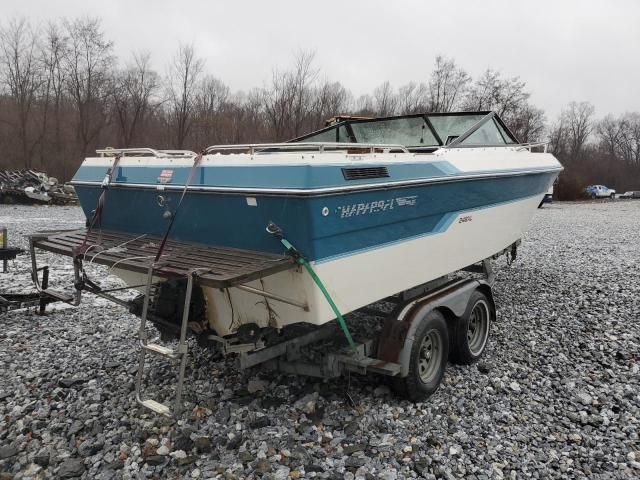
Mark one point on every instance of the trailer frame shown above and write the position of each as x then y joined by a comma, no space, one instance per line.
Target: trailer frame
392,353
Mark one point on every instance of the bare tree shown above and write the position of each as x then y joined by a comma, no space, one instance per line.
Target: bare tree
611,131
619,138
254,126
182,80
578,121
304,75
630,142
88,64
447,85
385,100
212,97
558,138
22,76
365,105
413,98
287,100
527,123
133,92
53,49
505,96
330,99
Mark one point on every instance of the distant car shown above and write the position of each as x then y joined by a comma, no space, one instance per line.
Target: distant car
600,191
630,194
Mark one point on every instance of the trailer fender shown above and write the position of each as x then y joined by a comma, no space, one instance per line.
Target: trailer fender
398,335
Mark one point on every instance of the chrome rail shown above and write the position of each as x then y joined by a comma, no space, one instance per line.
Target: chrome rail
156,153
305,146
529,146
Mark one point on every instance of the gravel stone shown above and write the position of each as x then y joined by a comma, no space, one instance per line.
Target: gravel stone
8,451
567,334
71,468
202,444
260,422
585,398
71,382
43,457
155,460
256,385
163,450
307,403
179,454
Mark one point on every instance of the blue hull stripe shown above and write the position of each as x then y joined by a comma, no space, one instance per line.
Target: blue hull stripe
321,227
281,177
265,176
442,226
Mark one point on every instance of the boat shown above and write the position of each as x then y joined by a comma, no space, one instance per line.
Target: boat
376,206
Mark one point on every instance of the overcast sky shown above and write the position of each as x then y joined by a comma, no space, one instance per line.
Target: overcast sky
564,50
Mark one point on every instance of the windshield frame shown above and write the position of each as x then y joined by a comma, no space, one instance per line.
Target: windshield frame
456,143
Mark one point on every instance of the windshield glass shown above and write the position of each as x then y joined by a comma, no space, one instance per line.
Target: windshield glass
449,127
487,134
326,136
408,131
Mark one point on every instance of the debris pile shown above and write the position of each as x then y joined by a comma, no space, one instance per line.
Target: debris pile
32,187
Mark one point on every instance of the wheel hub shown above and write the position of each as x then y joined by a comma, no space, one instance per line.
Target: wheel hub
429,358
478,328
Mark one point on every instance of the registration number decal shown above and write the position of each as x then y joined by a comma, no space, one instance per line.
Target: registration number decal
165,176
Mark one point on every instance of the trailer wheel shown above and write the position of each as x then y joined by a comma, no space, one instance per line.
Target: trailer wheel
471,331
428,359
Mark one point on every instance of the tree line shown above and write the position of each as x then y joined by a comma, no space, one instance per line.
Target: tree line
63,93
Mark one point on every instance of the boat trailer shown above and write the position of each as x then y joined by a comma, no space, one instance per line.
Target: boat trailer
18,301
446,319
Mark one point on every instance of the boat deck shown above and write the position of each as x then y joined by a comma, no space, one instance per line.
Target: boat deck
217,267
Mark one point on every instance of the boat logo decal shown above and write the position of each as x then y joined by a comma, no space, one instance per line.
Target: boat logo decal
165,176
376,206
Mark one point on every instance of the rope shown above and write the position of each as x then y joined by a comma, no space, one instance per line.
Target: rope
300,260
126,259
114,248
196,162
97,213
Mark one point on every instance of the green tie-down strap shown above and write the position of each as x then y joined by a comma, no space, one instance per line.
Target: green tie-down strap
303,261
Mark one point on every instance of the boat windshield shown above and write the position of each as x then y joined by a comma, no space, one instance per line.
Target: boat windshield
418,132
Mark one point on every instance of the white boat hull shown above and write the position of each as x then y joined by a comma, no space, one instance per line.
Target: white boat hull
360,279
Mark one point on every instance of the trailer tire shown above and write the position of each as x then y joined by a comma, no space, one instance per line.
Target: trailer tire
428,359
470,332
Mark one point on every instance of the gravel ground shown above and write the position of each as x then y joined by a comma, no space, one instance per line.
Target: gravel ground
556,396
